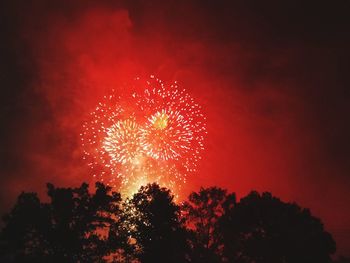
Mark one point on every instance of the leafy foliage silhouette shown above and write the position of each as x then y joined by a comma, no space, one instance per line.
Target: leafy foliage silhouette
262,228
201,213
211,226
157,227
68,229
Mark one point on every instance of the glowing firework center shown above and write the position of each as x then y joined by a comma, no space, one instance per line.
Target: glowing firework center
160,120
162,144
167,136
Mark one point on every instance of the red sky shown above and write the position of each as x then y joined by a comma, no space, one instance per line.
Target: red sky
273,89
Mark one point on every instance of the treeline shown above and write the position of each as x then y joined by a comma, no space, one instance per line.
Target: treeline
211,226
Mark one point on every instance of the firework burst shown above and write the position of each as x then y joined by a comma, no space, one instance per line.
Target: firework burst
122,141
155,135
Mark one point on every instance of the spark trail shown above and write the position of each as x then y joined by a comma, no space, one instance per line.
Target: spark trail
153,135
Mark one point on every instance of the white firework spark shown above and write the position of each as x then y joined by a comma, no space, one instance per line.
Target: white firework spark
151,136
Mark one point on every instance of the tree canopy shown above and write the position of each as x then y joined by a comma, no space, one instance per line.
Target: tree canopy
77,225
262,228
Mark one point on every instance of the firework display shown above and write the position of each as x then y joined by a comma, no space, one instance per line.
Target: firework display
152,135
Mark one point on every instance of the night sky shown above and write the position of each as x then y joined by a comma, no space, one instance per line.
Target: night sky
272,77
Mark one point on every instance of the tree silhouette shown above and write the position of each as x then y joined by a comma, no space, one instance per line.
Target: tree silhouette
122,234
71,228
26,226
80,222
262,228
156,226
77,226
201,213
